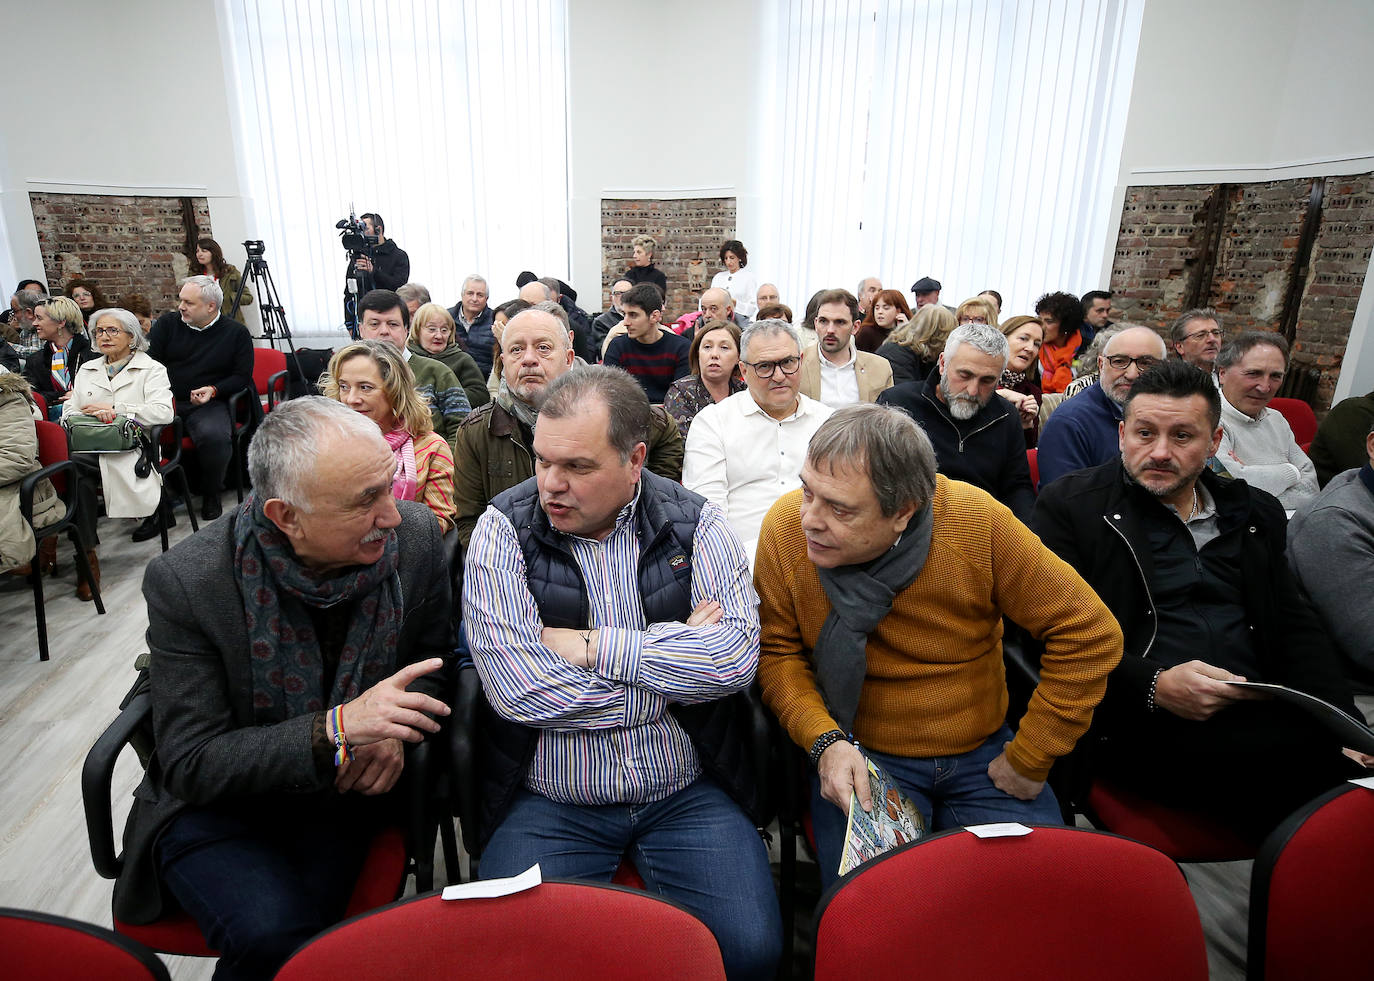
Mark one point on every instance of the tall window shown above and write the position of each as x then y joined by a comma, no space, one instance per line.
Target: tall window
975,141
446,117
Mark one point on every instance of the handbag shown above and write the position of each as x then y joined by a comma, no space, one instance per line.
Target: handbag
90,435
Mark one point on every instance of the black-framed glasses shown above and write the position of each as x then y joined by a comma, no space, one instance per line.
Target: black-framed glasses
764,369
108,331
1123,361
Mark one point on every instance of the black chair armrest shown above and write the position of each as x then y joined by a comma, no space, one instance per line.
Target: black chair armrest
463,750
96,776
761,749
274,381
30,484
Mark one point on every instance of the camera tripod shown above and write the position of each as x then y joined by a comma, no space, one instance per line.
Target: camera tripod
274,326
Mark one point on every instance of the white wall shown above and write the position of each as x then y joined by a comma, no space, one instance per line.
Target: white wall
1255,90
133,101
663,102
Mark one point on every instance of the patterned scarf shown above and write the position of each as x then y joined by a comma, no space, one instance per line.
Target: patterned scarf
406,481
1010,379
61,374
287,666
519,408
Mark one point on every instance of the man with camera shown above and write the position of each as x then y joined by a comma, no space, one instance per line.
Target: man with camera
388,264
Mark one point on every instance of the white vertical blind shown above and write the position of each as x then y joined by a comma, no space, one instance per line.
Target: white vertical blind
976,141
446,117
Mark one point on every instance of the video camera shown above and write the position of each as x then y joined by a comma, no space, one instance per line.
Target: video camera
354,237
255,248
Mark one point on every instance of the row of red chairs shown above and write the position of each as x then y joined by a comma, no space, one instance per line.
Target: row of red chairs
1058,903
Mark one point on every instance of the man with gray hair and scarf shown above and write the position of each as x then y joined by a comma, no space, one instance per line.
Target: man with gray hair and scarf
882,587
493,450
296,646
208,358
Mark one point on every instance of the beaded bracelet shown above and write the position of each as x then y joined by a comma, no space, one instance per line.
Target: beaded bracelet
824,742
343,753
1150,697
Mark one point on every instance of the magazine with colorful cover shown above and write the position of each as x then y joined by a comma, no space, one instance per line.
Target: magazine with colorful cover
893,821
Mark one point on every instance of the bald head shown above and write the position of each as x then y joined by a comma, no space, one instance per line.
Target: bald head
1144,349
535,349
535,292
716,304
767,295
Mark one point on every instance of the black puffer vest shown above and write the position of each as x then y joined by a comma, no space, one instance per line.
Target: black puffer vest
667,517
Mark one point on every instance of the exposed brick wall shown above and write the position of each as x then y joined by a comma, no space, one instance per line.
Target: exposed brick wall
1335,277
125,244
1162,237
686,229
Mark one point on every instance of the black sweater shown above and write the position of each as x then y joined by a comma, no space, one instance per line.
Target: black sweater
987,451
220,355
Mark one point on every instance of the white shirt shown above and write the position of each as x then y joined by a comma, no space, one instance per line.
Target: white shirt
839,382
742,459
743,289
1263,453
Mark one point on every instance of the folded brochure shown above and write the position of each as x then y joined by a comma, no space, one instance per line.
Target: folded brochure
1352,732
893,821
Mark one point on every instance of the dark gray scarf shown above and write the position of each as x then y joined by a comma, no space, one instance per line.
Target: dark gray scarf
860,596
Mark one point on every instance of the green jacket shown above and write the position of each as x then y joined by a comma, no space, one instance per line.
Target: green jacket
490,457
448,403
461,364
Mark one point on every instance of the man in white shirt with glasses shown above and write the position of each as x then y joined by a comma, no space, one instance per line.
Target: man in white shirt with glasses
746,451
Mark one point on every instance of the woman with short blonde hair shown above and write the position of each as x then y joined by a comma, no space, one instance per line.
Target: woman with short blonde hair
977,310
372,377
433,334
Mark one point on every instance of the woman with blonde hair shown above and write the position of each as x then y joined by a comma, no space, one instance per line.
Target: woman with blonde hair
913,347
433,334
51,369
642,268
1020,384
976,310
372,377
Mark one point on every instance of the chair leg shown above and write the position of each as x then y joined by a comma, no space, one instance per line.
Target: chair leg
36,580
84,569
238,468
448,838
186,499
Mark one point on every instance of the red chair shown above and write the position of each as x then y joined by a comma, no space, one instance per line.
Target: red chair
1058,903
1309,892
40,945
269,380
1184,836
1033,461
66,480
558,929
41,402
1301,419
380,882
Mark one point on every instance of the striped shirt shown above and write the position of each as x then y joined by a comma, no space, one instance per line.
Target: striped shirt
607,737
655,366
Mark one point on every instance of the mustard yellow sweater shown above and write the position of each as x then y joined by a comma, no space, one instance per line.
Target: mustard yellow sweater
935,682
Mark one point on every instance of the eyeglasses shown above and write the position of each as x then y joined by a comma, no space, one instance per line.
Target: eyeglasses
764,369
1211,332
619,292
973,320
108,331
1123,361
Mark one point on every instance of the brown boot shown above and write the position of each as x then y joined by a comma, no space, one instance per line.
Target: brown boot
83,588
47,556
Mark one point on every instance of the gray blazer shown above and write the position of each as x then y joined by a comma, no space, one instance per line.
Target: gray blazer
208,748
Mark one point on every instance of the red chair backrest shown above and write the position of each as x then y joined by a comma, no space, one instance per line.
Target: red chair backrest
1301,419
52,448
1033,461
1309,899
42,404
38,945
1058,903
266,363
1184,836
566,930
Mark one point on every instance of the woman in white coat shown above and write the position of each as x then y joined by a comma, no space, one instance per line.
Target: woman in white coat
124,381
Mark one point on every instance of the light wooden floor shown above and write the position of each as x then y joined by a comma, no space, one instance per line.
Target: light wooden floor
51,713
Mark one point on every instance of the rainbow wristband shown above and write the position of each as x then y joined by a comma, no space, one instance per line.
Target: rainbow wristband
343,753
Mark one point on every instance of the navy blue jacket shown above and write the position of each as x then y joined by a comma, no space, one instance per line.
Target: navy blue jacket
1083,432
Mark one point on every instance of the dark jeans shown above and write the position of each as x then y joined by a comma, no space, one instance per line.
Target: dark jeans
1250,765
949,791
695,847
212,433
262,879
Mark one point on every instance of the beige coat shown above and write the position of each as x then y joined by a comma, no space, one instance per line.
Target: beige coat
142,392
874,373
18,459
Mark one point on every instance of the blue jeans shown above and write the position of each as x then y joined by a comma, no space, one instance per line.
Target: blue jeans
949,791
695,847
260,881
